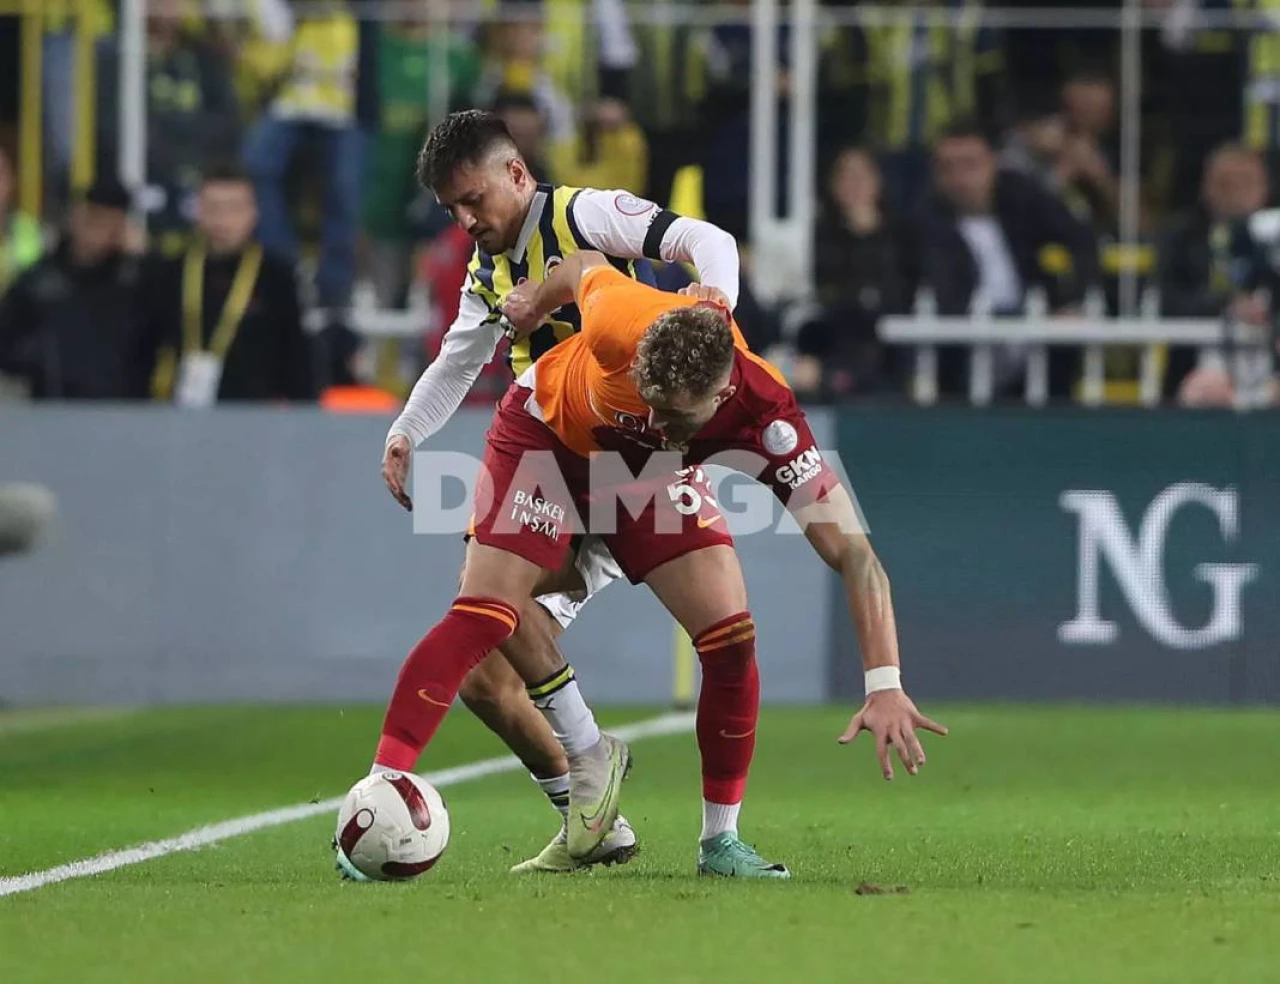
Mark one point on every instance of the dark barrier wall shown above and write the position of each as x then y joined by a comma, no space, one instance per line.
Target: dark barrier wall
1073,554
253,554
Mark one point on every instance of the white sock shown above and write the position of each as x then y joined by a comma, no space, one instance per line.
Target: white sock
557,790
719,818
571,720
379,769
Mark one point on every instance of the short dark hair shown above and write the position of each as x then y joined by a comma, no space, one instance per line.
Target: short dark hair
458,140
225,172
687,350
107,192
964,128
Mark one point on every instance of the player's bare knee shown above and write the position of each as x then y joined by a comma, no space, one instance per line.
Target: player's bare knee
703,588
534,638
476,692
532,648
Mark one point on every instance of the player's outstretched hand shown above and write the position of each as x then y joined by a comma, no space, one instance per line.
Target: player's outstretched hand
893,719
712,294
519,309
395,469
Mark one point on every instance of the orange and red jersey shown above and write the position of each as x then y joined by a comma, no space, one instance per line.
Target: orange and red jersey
583,391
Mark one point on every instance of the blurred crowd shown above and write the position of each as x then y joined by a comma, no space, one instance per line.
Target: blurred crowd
962,162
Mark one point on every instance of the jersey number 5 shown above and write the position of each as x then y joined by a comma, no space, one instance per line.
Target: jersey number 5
687,499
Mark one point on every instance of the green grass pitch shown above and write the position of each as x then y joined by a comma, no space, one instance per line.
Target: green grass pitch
1039,845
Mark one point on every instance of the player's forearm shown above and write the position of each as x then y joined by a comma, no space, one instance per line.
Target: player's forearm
438,393
711,250
832,527
866,587
561,286
468,346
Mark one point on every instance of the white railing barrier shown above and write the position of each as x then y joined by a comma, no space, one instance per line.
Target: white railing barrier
378,323
986,336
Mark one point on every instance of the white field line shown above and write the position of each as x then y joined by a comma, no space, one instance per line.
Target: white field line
665,724
44,719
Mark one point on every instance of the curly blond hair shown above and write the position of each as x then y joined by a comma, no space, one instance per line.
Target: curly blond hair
686,351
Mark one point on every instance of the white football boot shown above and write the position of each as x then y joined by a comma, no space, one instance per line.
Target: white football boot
618,847
595,789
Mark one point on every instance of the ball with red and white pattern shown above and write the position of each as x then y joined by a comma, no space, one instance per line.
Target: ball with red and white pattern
392,826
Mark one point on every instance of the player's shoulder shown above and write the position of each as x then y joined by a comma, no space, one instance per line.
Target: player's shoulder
762,397
762,383
599,297
610,203
564,197
775,435
605,278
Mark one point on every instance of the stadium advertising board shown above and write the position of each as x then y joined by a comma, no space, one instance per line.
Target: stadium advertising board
1068,554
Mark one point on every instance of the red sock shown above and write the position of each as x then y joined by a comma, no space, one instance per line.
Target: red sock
433,674
728,707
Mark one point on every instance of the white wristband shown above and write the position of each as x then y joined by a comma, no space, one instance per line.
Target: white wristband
883,678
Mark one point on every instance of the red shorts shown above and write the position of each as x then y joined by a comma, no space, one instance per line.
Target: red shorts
534,494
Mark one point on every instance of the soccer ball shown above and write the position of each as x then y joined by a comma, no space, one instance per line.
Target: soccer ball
392,826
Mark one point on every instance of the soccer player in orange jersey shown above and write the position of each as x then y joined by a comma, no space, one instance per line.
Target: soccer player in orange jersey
654,384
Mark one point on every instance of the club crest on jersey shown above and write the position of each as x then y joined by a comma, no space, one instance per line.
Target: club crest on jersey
631,205
803,468
780,438
629,421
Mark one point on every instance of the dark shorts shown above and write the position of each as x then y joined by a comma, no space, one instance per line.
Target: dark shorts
534,496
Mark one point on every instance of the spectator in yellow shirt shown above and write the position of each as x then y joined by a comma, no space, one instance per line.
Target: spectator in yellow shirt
316,103
609,152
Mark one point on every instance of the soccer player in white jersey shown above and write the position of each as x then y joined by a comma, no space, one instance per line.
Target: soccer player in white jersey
522,230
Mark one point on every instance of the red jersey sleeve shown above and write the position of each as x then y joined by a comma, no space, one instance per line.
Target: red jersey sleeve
773,428
796,470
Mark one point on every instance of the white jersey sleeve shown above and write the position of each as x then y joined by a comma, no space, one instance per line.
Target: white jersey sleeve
469,345
620,224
